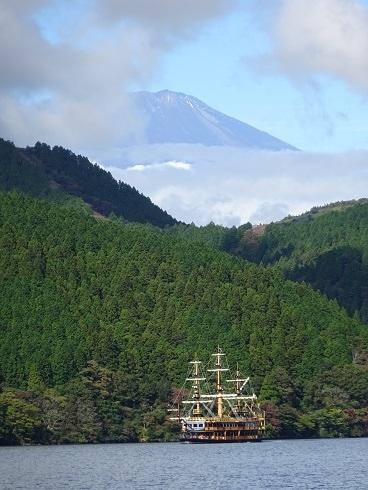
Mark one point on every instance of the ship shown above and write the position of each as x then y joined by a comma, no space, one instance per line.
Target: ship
216,409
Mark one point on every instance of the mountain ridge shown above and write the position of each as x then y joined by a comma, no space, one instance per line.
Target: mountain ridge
56,173
326,247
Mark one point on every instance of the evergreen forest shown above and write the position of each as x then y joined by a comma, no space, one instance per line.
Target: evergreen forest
326,247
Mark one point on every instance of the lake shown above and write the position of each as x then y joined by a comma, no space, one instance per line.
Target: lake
327,463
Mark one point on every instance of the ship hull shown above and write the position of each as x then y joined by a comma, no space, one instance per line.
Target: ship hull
215,430
219,441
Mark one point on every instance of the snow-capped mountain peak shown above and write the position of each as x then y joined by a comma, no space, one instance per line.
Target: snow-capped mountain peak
174,117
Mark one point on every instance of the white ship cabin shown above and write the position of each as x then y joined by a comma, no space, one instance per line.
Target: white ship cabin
194,424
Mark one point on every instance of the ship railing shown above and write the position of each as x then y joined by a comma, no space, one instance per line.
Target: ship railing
226,396
244,381
230,396
194,401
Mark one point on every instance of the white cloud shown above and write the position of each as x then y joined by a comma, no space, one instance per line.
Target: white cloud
173,18
179,165
233,186
321,37
140,167
269,211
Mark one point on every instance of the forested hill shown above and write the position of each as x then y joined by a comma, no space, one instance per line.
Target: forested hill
49,172
327,248
98,320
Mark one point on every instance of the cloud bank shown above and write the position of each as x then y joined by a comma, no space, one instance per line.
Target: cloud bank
231,186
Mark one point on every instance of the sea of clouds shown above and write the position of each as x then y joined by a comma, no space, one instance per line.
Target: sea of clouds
232,186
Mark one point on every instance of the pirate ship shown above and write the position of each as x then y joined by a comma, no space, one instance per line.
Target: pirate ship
212,412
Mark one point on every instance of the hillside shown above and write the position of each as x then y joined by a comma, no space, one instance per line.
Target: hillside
98,320
57,173
173,117
327,248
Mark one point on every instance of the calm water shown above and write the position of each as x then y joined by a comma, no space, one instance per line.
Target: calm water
338,463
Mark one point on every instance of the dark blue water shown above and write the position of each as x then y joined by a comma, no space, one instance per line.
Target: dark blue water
334,464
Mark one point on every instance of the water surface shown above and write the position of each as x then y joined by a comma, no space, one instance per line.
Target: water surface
328,463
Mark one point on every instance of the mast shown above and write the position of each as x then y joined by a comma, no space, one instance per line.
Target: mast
239,385
218,370
197,411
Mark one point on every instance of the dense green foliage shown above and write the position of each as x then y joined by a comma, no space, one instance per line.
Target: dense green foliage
97,405
19,173
56,173
98,320
216,236
328,249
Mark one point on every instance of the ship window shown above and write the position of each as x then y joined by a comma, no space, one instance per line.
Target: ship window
195,425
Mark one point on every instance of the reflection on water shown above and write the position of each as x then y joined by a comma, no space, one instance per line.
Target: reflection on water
328,463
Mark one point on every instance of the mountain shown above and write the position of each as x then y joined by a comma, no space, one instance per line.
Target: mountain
174,117
98,319
57,174
326,247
